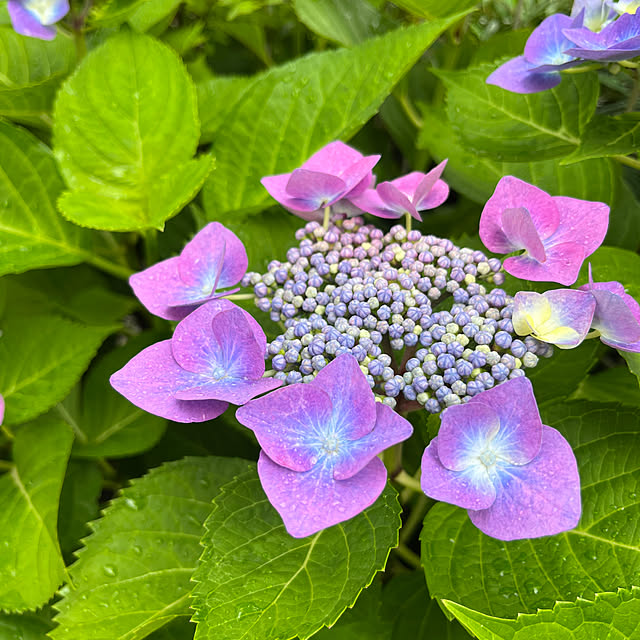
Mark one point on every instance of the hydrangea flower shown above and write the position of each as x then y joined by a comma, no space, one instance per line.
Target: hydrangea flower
1,408
214,259
337,172
320,441
561,317
493,456
619,40
624,6
34,17
544,56
595,13
216,356
617,315
557,233
407,195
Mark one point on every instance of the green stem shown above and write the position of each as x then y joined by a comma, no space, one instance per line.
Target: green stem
630,162
415,518
404,479
151,247
407,222
635,92
81,44
6,465
107,469
583,69
240,296
7,432
327,215
628,64
410,558
408,108
109,267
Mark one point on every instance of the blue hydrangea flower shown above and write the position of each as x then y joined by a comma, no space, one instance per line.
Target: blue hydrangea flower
34,17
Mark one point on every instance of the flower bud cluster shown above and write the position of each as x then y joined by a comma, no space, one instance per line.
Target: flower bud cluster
414,310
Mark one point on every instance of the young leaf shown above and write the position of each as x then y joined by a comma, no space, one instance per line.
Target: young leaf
31,566
31,70
133,575
43,357
254,581
600,554
126,128
608,615
289,112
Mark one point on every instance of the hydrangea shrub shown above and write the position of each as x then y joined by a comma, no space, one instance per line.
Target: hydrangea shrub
319,319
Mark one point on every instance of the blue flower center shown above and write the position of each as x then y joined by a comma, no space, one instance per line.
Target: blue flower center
488,458
331,445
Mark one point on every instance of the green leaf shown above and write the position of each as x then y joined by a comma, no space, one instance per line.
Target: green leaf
27,626
600,554
414,614
32,233
612,263
31,566
126,128
179,629
133,575
113,12
30,72
606,136
106,424
289,112
611,385
347,24
518,127
43,357
152,12
255,581
633,362
609,615
435,8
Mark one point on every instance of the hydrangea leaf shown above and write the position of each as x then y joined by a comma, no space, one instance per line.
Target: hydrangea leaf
106,423
289,112
610,614
153,14
125,132
256,581
613,263
432,9
32,232
414,614
31,565
113,12
31,70
617,384
179,629
515,127
147,544
25,626
600,554
633,362
48,354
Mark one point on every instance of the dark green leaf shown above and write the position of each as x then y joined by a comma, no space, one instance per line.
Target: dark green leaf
255,581
610,385
133,575
435,8
612,263
633,362
27,626
31,566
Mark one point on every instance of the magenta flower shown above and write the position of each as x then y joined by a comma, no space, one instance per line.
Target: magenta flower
215,258
34,17
216,356
617,315
336,172
561,317
407,195
320,442
544,56
619,40
493,456
557,233
1,408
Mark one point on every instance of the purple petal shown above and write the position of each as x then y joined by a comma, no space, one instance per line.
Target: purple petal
26,24
546,45
354,405
521,232
396,200
520,432
312,501
390,429
470,489
318,189
431,193
371,202
541,498
220,335
48,13
358,174
367,182
465,433
277,188
289,424
150,379
333,158
562,265
616,321
235,390
517,76
593,14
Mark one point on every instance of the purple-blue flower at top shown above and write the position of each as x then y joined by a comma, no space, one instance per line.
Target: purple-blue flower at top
619,40
557,233
595,13
320,441
409,194
34,17
337,172
544,56
216,356
493,456
624,6
617,315
215,258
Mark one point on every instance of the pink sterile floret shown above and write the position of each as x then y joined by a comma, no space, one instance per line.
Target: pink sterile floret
557,233
493,456
320,442
215,356
335,173
214,259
